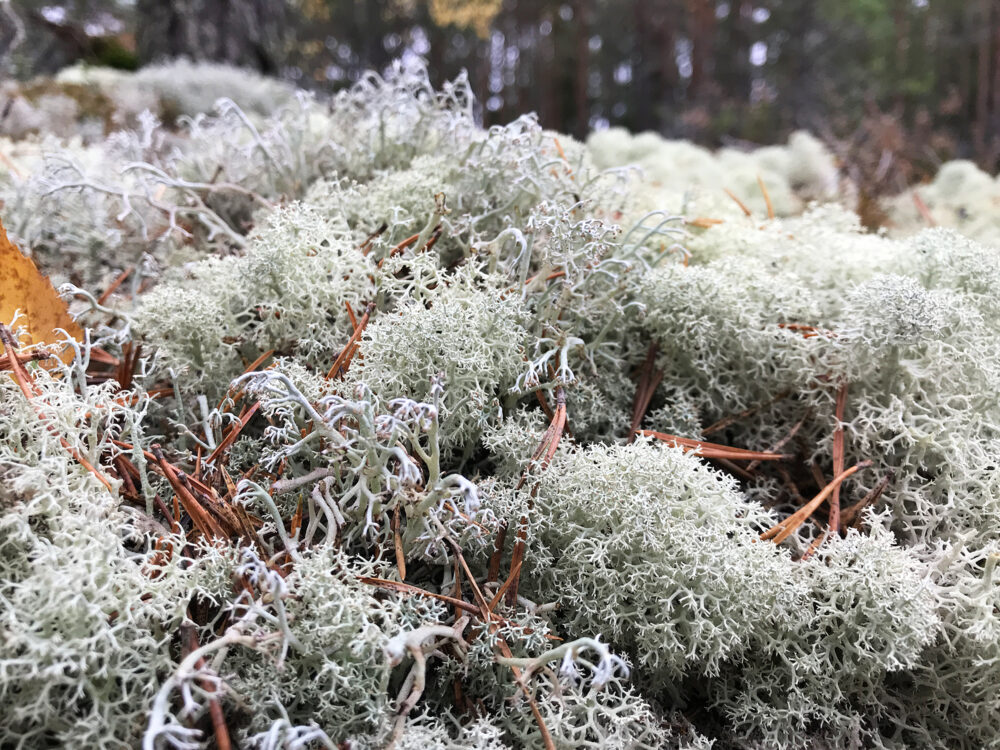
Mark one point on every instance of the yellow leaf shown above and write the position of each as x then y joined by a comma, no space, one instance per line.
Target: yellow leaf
26,289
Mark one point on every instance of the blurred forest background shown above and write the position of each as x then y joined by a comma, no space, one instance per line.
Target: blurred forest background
893,86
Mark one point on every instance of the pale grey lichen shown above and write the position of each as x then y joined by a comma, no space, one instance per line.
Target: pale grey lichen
503,284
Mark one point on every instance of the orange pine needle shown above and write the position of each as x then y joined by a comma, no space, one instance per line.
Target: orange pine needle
343,361
767,198
234,432
784,529
27,385
838,457
115,284
741,204
713,450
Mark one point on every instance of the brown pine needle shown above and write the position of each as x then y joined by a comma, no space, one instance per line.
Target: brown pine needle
814,546
784,529
852,515
366,246
23,358
838,457
741,204
713,450
397,541
203,520
219,728
234,432
115,284
401,247
514,574
726,421
543,456
559,148
502,644
343,360
248,369
406,588
776,448
350,314
27,385
648,381
767,198
703,222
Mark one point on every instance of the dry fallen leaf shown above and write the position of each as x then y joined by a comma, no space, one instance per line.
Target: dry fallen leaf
26,289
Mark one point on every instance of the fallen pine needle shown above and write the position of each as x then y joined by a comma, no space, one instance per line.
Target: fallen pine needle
784,529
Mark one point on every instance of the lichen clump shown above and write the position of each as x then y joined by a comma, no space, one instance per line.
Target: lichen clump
392,431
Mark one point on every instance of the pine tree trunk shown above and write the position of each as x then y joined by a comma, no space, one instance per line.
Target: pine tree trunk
247,33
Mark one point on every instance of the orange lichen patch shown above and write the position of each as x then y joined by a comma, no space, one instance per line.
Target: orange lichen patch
25,289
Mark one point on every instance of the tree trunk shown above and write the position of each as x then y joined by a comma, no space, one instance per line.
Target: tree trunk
580,18
248,33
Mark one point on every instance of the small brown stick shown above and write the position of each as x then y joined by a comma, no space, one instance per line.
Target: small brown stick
27,385
713,450
219,728
741,204
115,284
784,529
767,198
648,381
838,457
